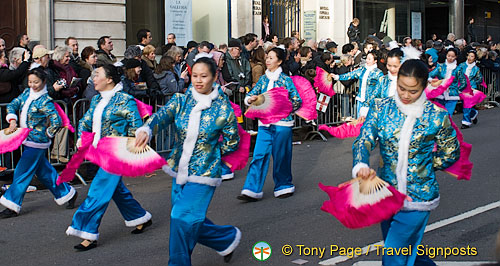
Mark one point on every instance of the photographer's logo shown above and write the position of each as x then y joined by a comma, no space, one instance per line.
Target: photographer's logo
261,251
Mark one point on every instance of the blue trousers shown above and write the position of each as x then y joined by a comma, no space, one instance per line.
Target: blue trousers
105,187
469,115
449,105
33,161
276,141
402,230
189,225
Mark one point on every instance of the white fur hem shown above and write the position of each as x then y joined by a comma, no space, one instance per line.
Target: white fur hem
421,206
67,197
252,194
81,234
48,134
145,129
228,176
474,117
204,180
139,221
466,123
358,167
233,245
10,204
287,190
279,123
11,116
36,145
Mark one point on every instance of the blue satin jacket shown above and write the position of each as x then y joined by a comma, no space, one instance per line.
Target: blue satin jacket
383,125
119,118
475,77
205,163
440,72
283,81
383,87
42,118
372,90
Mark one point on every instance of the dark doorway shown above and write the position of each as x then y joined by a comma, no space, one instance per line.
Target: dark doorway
146,15
12,21
284,16
437,19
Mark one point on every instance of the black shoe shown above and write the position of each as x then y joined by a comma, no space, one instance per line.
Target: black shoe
228,257
284,196
474,121
8,213
464,126
144,225
71,202
246,198
90,246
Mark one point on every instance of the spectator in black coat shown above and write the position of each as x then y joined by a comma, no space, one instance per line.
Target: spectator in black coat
353,31
11,79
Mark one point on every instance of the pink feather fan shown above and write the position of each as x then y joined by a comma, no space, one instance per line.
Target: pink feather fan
323,81
115,155
271,106
347,130
308,96
360,203
145,110
11,142
238,159
64,118
432,92
470,96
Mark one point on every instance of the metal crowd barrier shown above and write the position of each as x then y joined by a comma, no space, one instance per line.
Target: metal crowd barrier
492,89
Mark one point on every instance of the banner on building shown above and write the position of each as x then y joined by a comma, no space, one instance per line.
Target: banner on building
416,25
309,25
257,17
178,20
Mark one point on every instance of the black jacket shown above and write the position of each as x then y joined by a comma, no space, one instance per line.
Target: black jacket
353,33
10,81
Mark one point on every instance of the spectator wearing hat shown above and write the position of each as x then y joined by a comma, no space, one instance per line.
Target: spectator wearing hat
41,58
132,70
146,74
104,55
236,68
332,47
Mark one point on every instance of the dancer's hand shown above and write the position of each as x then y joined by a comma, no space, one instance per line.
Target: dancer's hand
366,173
141,140
252,99
12,126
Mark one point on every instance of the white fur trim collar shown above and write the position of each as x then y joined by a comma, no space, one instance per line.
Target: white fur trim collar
99,109
412,112
34,95
203,101
273,76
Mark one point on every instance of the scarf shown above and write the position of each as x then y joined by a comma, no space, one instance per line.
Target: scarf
469,68
364,81
273,76
99,109
449,69
34,95
203,101
393,84
412,112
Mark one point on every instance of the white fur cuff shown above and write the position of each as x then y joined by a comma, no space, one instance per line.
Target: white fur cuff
358,167
11,116
145,129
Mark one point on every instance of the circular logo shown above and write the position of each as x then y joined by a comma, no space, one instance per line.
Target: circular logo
261,251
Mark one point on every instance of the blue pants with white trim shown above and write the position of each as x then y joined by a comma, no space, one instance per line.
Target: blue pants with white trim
449,105
402,230
189,225
104,187
33,161
469,115
276,141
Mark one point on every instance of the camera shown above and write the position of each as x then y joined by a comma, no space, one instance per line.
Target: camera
63,83
241,75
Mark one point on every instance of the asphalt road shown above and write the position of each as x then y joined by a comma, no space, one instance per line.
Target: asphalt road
37,236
